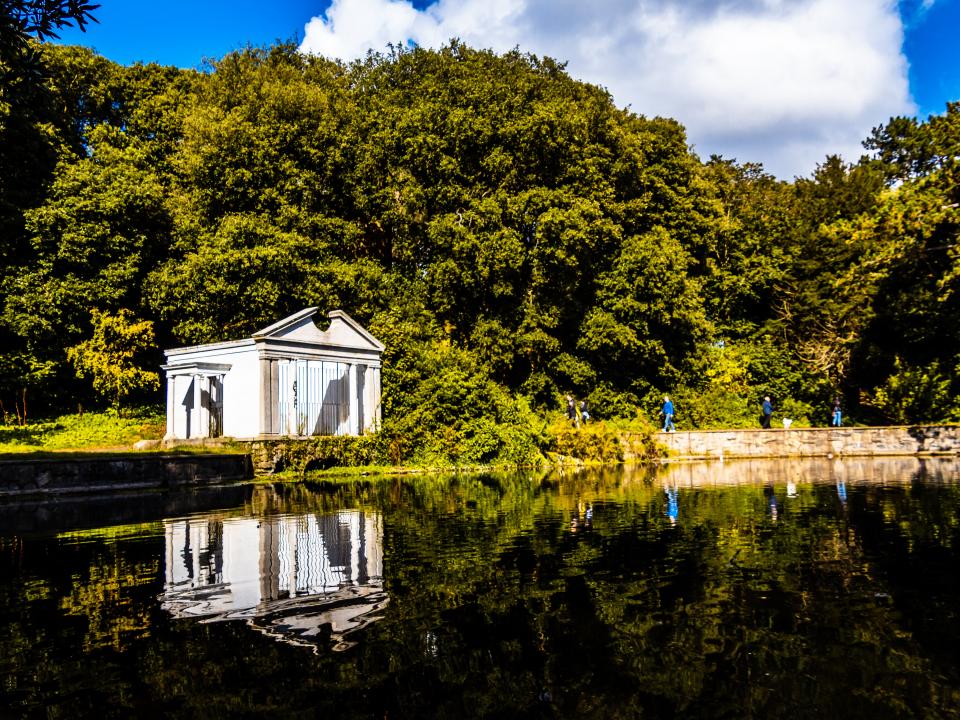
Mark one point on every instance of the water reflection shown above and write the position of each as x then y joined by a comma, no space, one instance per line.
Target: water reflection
673,503
813,588
876,471
301,578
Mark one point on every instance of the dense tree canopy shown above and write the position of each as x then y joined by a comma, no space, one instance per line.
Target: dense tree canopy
508,231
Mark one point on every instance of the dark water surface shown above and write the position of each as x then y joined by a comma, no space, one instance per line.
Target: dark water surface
813,589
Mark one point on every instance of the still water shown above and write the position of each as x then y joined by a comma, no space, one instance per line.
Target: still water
812,589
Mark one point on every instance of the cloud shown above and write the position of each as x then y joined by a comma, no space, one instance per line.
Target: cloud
782,82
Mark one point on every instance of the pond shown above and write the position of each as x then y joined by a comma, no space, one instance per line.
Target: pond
742,589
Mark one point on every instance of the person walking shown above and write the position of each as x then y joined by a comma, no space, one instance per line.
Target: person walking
584,412
767,413
667,412
837,418
572,411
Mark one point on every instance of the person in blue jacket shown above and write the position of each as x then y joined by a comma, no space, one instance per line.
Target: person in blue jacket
767,413
667,412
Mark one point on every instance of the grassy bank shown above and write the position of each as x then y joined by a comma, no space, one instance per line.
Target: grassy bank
552,441
86,432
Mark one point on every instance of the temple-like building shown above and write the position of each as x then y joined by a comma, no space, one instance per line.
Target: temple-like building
291,378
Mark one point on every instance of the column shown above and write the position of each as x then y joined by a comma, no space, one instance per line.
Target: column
289,426
274,426
377,399
196,429
352,385
205,407
369,401
266,398
171,407
363,406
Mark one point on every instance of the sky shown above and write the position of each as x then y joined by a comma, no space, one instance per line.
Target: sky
780,82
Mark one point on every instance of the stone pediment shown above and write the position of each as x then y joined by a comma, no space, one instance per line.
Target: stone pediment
343,331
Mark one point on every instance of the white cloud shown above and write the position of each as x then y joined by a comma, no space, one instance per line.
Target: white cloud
783,82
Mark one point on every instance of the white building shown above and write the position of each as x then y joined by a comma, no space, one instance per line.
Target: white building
291,378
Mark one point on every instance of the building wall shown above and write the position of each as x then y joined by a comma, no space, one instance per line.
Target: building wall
241,395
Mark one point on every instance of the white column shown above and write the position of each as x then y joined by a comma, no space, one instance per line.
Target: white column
363,407
274,427
266,399
171,407
196,430
377,399
293,393
205,409
352,386
370,400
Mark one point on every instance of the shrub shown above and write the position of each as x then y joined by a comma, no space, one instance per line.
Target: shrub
594,442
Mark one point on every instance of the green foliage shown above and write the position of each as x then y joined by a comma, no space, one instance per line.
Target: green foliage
110,356
803,414
41,18
915,394
456,415
745,252
593,442
713,407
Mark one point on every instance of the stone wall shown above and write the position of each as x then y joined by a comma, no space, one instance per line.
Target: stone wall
813,442
122,472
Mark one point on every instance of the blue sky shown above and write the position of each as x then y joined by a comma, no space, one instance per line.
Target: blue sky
933,50
782,82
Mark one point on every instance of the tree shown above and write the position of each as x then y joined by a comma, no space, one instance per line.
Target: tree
43,17
109,357
21,19
24,140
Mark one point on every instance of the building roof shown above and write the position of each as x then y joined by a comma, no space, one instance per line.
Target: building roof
299,329
343,330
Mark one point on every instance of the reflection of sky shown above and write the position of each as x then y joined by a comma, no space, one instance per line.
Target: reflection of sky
296,572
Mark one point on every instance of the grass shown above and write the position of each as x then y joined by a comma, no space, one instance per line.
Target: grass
91,431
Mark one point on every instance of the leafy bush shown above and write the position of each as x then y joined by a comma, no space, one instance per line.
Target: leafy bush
441,407
711,408
594,442
799,412
915,394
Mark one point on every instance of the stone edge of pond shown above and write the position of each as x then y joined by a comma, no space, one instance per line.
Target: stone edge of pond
78,473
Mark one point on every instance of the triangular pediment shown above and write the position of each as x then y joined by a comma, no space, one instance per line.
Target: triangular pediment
343,331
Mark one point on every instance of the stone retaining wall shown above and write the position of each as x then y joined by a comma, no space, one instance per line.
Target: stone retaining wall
814,442
122,472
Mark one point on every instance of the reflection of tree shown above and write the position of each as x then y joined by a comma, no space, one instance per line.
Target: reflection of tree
100,597
498,609
731,612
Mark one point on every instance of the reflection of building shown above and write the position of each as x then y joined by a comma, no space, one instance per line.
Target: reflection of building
300,577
